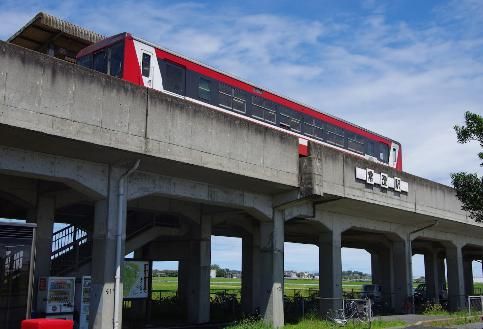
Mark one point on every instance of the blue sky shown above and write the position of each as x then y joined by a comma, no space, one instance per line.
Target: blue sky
407,69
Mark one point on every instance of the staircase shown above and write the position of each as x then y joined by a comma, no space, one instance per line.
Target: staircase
72,245
71,248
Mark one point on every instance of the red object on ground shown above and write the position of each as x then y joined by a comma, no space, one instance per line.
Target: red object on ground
47,324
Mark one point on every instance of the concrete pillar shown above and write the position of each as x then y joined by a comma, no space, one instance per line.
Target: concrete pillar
330,271
103,257
183,279
45,213
402,282
432,275
456,281
468,275
375,268
250,289
199,277
441,268
381,271
271,258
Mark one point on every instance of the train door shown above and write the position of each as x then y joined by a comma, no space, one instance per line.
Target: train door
175,80
147,67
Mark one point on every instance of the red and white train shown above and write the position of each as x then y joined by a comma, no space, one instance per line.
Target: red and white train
140,62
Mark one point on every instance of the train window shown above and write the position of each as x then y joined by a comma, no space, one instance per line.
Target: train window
146,65
383,152
355,143
239,100
284,120
270,116
204,89
370,148
257,112
289,119
100,61
314,128
237,93
295,124
239,105
309,128
335,135
115,67
175,79
319,132
225,89
232,98
85,61
264,109
225,100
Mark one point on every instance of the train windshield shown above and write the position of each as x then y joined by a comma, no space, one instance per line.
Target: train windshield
106,60
383,153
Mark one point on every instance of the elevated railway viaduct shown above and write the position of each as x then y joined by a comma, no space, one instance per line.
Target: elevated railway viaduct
68,134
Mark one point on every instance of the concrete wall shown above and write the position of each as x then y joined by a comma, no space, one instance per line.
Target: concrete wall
47,95
331,173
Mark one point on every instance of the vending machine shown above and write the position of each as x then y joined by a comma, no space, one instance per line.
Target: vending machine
56,297
82,302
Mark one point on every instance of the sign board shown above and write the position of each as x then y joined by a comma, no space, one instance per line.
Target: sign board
382,179
135,279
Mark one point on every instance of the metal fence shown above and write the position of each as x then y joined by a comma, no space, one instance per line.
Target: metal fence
475,304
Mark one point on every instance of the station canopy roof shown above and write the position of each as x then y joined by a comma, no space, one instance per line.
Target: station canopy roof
49,34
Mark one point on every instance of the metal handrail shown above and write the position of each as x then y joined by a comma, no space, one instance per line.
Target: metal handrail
67,239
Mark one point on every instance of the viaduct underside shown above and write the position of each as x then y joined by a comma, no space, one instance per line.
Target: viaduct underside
68,135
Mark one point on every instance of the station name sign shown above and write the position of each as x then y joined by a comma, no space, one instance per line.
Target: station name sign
382,179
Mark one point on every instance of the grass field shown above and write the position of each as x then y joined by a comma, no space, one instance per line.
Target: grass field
292,286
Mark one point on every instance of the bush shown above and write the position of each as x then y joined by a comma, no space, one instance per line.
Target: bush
434,309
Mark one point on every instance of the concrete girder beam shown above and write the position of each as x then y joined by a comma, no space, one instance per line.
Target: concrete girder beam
86,177
143,184
187,210
19,190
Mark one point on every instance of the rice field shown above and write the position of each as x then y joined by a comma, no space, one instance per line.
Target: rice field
169,285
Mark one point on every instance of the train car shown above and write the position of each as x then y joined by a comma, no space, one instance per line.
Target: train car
132,59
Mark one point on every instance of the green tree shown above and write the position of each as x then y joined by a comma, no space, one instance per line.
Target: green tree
469,187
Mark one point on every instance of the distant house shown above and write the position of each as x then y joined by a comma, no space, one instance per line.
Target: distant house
233,275
303,275
212,274
290,275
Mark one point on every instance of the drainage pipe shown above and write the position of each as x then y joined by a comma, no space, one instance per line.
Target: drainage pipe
120,225
410,252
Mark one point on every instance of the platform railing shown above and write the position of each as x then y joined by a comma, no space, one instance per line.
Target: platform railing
71,246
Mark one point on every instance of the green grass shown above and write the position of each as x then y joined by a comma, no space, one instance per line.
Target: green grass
314,323
302,286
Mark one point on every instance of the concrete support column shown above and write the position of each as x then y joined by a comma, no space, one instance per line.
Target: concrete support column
468,274
45,213
199,277
432,275
104,256
330,270
381,271
441,269
183,279
402,282
375,268
456,280
271,258
250,289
